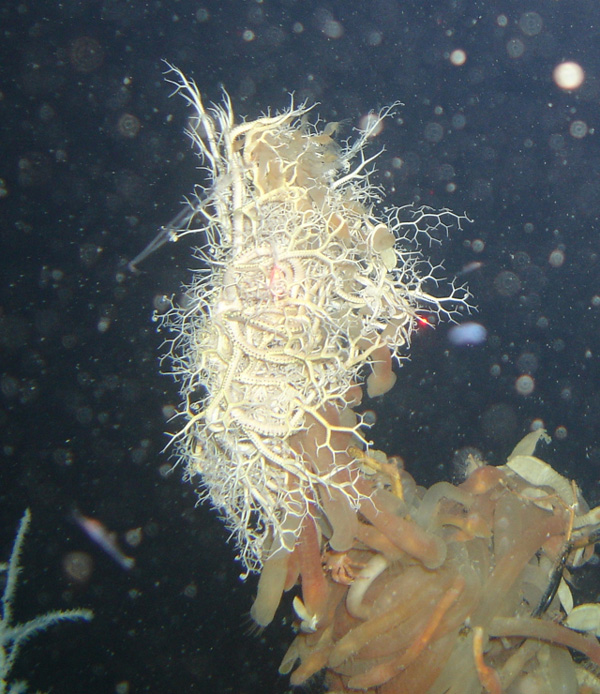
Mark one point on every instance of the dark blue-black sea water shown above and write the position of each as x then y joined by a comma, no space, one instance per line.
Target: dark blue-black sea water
93,160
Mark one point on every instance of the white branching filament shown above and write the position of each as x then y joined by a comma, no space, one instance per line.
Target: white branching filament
306,287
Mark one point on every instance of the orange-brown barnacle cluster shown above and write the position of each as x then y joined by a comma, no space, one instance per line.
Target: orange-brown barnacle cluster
440,590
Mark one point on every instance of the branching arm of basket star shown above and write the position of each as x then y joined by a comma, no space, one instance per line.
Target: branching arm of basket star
303,286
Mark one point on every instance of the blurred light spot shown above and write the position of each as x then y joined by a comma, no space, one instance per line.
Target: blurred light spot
165,469
470,333
556,258
527,363
191,590
566,393
128,126
78,566
525,385
371,122
134,537
560,433
328,25
86,54
168,412
578,129
506,283
515,48
458,57
568,75
161,303
556,142
374,38
531,23
434,132
459,121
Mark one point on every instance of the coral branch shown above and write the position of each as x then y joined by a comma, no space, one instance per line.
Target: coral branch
13,636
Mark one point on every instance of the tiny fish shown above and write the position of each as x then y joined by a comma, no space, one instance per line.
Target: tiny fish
105,539
470,267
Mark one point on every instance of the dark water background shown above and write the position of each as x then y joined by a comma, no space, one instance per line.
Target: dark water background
93,161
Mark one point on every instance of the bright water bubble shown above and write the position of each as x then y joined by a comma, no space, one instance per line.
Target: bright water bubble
469,333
